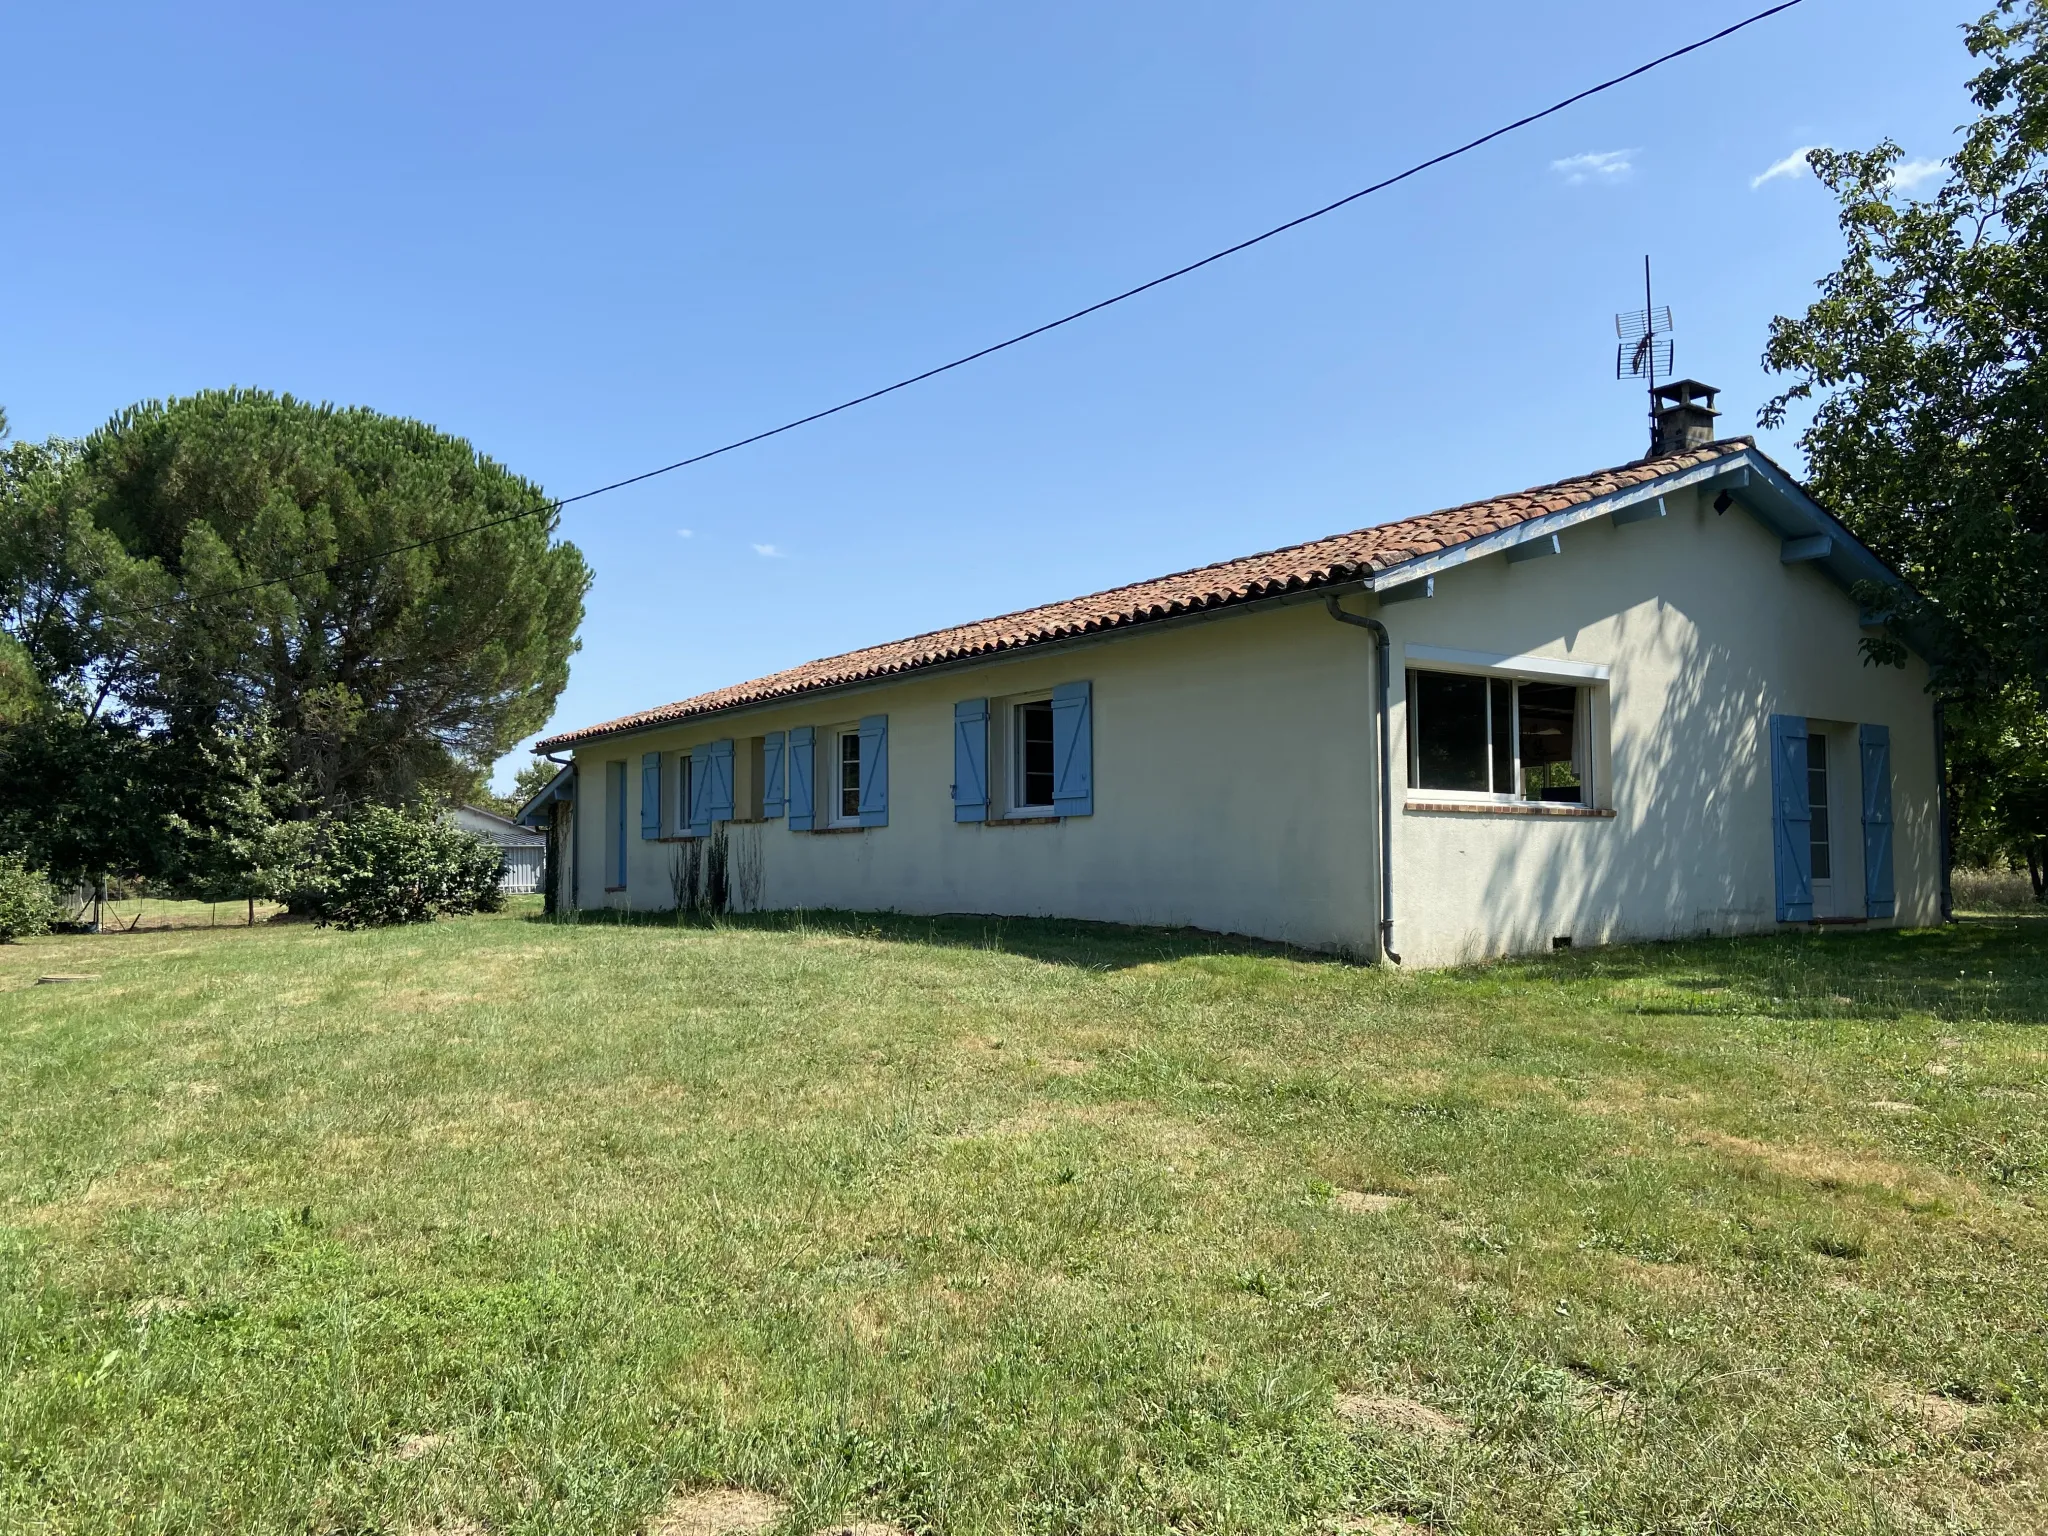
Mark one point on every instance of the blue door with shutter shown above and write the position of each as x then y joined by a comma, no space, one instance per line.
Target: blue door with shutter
1880,897
874,771
1791,819
803,762
650,796
970,760
721,780
771,775
700,790
1073,749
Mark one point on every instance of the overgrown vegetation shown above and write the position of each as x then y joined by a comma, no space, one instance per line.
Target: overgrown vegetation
977,1226
1926,362
376,866
27,904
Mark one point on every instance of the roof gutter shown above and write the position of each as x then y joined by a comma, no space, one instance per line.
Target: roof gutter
1383,649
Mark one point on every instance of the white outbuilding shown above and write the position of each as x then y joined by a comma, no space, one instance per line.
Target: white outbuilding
523,847
1630,705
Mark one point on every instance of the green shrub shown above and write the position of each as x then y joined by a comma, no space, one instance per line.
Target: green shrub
377,866
27,904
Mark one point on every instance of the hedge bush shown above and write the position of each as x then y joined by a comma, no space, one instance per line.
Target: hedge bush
27,904
377,866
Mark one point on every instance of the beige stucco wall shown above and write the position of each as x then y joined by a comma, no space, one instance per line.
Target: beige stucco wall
1232,792
1708,633
1233,766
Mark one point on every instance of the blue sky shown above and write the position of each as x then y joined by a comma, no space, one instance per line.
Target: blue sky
593,240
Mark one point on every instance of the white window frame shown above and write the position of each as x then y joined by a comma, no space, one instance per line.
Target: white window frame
1014,807
836,736
1581,677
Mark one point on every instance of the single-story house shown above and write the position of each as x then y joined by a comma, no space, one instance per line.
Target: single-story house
1629,705
524,847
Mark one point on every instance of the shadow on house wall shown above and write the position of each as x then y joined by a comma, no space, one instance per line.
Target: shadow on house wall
1689,851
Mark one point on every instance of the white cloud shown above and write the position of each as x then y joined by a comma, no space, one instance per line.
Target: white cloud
1908,174
1598,165
686,533
768,552
1791,168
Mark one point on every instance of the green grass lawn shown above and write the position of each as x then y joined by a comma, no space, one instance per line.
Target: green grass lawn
499,1226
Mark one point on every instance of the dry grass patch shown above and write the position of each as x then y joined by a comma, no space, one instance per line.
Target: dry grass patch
1388,1411
1358,1202
414,1447
1935,1413
141,1186
1812,1165
717,1512
1686,1278
149,1308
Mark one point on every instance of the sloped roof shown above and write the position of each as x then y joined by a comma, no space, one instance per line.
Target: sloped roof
1344,557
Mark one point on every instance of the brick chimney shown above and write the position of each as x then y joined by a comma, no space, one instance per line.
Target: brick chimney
1684,413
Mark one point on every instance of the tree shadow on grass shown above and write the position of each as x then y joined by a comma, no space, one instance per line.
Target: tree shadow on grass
1985,968
1050,940
1977,968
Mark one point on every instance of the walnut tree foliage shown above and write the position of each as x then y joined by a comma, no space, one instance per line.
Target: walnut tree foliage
1926,362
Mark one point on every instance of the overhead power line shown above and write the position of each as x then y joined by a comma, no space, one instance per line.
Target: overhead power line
1416,169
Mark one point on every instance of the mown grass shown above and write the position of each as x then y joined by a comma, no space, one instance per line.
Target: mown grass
990,1226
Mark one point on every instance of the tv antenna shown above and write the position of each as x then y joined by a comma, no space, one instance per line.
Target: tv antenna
1645,348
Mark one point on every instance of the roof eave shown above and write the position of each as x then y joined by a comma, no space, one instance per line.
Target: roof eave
560,787
1306,591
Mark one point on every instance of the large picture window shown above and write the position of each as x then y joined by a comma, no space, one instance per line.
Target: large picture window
1495,737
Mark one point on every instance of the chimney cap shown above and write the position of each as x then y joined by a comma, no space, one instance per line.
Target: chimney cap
1686,393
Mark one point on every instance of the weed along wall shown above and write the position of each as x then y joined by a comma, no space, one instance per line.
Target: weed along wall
1230,789
1704,633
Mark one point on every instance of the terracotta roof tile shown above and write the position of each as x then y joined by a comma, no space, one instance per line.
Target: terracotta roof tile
1322,562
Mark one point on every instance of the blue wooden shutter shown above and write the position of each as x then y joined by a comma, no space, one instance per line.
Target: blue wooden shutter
970,760
650,796
721,780
700,790
874,771
1791,819
1073,749
771,775
803,761
1880,898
